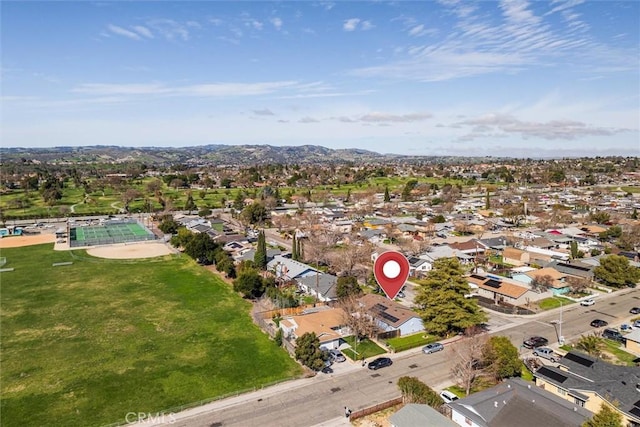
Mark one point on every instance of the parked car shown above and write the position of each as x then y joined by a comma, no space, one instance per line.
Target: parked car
587,302
612,334
636,324
535,342
380,362
448,396
327,370
546,353
625,327
635,310
598,323
337,355
432,348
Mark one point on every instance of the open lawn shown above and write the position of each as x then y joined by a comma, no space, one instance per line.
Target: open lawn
364,349
86,343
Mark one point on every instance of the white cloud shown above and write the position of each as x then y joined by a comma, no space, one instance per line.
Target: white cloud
276,22
418,30
308,120
366,25
143,31
264,112
378,117
351,24
170,29
123,32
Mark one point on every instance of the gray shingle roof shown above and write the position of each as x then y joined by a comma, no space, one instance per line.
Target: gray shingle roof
413,414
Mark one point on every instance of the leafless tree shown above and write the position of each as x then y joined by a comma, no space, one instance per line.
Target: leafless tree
542,283
578,284
356,318
468,354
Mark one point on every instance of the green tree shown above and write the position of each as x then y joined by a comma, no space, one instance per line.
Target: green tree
347,286
168,225
605,417
441,301
408,188
501,358
278,337
616,271
487,201
294,248
387,197
255,213
591,344
600,217
201,248
260,257
573,246
190,205
308,351
415,391
249,283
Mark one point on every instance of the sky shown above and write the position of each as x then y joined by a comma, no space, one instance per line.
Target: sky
462,78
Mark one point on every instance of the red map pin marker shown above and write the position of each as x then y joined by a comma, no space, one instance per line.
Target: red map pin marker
391,270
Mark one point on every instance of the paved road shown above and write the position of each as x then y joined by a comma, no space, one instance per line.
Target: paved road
321,400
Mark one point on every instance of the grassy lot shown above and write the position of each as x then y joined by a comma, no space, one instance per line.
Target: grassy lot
551,303
617,350
365,348
84,344
409,341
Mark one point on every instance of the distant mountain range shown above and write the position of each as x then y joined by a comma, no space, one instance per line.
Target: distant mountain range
211,155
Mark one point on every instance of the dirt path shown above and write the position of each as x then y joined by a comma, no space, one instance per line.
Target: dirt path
19,241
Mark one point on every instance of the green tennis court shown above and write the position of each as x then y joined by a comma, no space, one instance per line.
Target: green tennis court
110,232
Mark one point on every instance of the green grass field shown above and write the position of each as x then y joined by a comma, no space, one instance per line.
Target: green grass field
84,344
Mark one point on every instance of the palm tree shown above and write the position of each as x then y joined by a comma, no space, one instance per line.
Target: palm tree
591,344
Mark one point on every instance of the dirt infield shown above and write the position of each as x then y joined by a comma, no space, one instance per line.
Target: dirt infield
18,241
129,251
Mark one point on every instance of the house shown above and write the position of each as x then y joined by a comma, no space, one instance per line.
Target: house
573,268
414,414
589,382
559,285
327,323
515,257
502,290
632,342
391,316
288,269
418,266
516,402
320,285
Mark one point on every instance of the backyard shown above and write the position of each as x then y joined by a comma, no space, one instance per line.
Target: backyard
89,340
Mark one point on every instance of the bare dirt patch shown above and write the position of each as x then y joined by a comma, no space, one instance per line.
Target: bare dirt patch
19,241
130,251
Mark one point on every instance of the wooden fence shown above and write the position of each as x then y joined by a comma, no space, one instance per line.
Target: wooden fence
372,409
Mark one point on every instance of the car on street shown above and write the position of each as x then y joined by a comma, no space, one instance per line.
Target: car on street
625,327
448,396
535,342
587,302
635,310
432,348
380,362
337,356
636,324
612,334
598,323
546,353
327,370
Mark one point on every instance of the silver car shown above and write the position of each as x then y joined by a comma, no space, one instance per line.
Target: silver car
545,352
432,348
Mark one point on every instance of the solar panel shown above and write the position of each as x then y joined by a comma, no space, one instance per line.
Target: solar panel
477,276
575,267
380,307
493,283
637,404
389,317
556,376
579,359
635,411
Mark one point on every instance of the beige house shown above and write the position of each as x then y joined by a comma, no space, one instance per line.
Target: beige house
515,257
632,342
326,323
590,382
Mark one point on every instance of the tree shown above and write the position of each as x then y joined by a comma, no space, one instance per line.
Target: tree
294,248
467,368
573,246
600,217
129,196
255,213
441,302
308,351
541,283
356,318
501,358
415,391
487,201
201,248
260,257
605,417
347,286
616,271
387,197
591,344
168,225
190,205
408,187
249,283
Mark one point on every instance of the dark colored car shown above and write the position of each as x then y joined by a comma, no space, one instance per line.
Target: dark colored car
380,362
535,342
612,334
598,323
635,310
327,370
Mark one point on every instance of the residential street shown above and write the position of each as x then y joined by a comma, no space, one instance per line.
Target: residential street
321,400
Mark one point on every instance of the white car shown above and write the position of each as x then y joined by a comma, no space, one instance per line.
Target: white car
448,396
587,302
